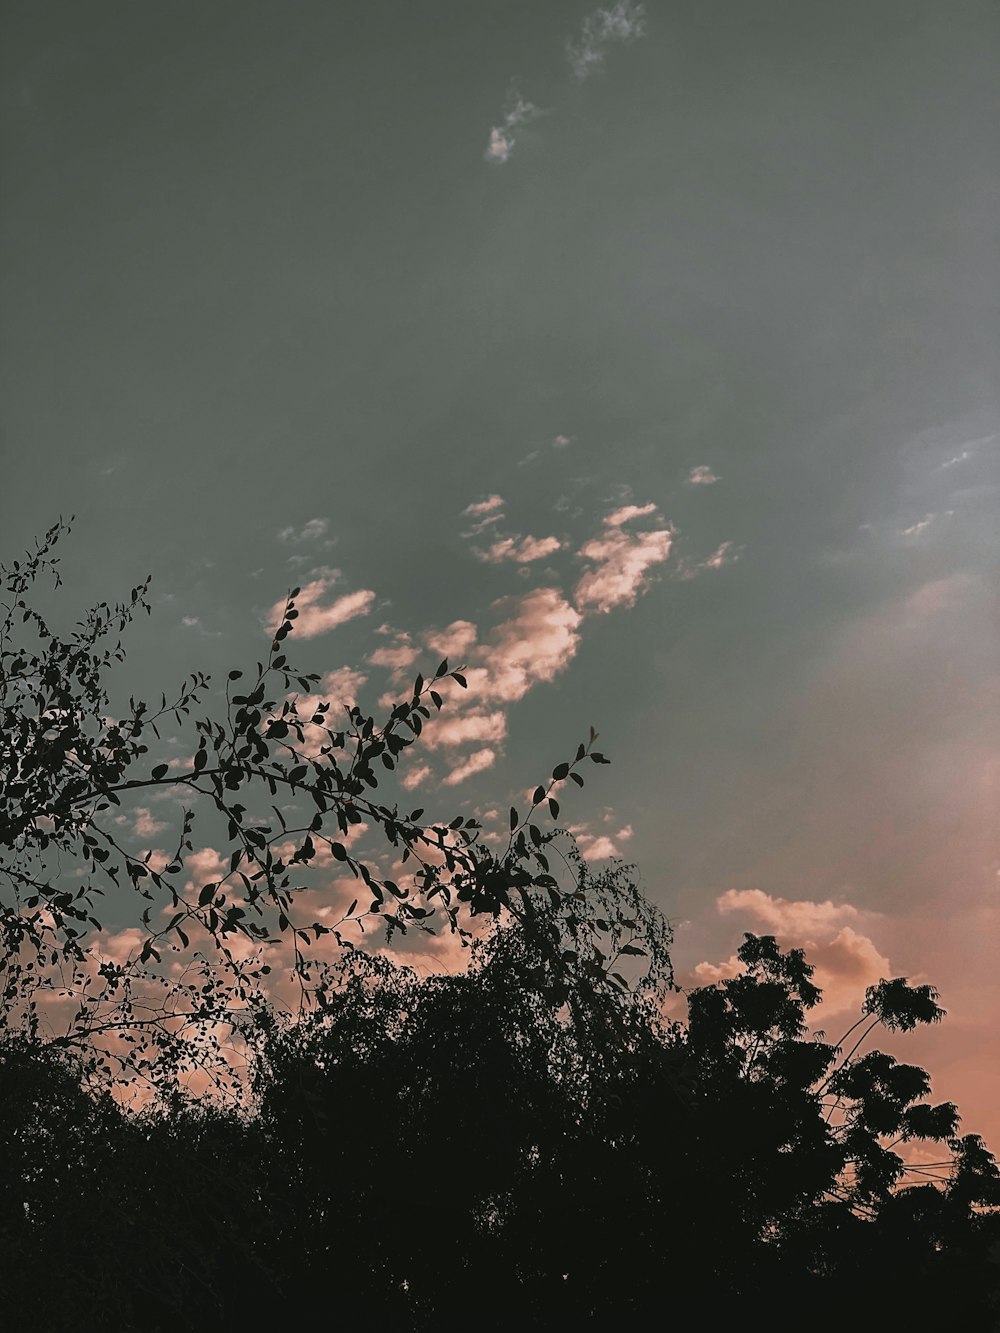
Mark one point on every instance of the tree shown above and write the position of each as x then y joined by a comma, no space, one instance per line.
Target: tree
70,762
533,1139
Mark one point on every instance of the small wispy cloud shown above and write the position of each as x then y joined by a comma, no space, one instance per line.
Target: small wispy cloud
490,505
920,526
967,451
313,532
517,111
521,550
702,476
724,555
624,21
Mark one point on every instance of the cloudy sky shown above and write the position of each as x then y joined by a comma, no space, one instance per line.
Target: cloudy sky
644,359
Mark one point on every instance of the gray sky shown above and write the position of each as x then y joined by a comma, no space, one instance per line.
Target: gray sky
373,264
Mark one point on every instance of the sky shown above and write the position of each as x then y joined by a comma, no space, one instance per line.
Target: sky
642,358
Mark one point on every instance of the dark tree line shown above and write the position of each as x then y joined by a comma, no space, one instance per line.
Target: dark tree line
533,1140
509,1144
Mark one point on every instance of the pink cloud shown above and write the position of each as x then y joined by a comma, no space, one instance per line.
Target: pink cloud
725,554
145,825
415,777
621,561
500,146
462,729
476,763
315,618
785,917
339,689
846,961
537,640
627,513
342,686
204,867
522,550
599,849
722,555
400,657
453,641
516,111
488,506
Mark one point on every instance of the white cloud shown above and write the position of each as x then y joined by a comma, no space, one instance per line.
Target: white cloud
624,21
312,531
702,476
921,525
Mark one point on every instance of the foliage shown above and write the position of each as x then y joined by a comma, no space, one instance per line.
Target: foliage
69,764
533,1139
514,1143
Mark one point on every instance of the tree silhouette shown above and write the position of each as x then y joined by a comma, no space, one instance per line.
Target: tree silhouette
533,1139
514,1142
71,764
